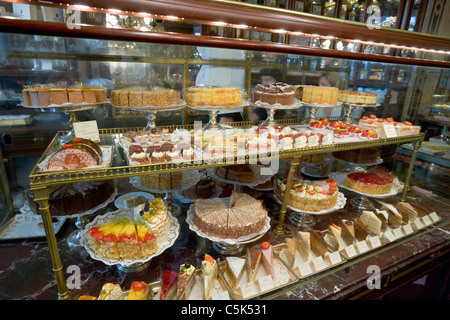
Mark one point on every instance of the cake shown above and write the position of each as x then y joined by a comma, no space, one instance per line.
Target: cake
334,235
347,230
313,197
318,243
138,291
234,270
88,95
401,128
154,212
267,258
137,97
169,278
242,216
304,244
360,97
358,156
111,291
240,173
209,273
185,276
145,239
253,260
361,230
320,95
58,96
275,93
75,156
212,96
407,211
51,95
371,221
291,250
66,200
162,181
395,218
375,181
204,189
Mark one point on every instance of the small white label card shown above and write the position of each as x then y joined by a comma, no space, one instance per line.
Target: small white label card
334,258
388,236
305,269
374,242
407,229
265,283
434,217
362,247
318,263
389,130
87,130
398,233
350,251
222,295
426,220
249,289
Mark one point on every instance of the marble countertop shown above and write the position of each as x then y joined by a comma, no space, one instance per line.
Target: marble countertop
26,268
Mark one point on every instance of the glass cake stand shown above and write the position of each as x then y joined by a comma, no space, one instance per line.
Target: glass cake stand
71,110
150,112
314,106
351,106
362,201
305,219
271,109
213,111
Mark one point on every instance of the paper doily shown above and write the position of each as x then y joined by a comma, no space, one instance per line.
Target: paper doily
340,203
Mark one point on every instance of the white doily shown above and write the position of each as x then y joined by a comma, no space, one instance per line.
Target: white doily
189,179
340,203
106,160
26,210
241,240
168,241
340,178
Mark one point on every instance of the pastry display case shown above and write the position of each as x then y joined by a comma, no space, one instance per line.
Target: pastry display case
302,134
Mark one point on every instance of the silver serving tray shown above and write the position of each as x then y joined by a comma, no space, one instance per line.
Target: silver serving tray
28,226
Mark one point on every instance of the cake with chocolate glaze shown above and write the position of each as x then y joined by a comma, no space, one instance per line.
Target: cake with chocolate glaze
276,93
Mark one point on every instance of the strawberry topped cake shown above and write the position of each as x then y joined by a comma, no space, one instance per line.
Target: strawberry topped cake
374,181
310,196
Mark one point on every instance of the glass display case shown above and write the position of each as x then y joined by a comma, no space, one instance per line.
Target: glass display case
129,60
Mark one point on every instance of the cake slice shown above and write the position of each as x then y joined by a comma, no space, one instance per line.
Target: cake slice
348,230
138,291
334,234
395,219
407,211
111,291
267,258
304,244
421,210
361,231
253,260
185,275
384,218
209,272
371,221
235,268
318,244
168,280
292,248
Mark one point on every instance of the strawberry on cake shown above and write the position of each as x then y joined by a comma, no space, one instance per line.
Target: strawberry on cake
375,181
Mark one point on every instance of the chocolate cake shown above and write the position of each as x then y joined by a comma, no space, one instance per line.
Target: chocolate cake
202,190
279,92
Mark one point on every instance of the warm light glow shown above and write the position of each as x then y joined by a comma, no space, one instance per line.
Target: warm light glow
115,10
219,23
279,31
81,7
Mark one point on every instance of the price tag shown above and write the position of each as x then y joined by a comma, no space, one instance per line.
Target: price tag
374,242
319,264
418,224
389,130
398,233
362,247
426,220
388,237
407,229
222,295
265,283
305,269
249,289
350,251
434,217
87,130
334,258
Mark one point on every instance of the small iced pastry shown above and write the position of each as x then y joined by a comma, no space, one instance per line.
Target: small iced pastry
158,155
209,273
138,291
169,279
185,276
347,230
253,260
267,258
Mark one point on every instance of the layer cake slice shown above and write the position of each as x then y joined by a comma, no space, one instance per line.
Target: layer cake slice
253,260
267,258
235,268
304,244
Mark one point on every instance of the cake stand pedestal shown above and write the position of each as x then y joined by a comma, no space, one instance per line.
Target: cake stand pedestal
271,109
150,112
71,110
213,111
351,106
133,268
354,165
314,106
232,249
